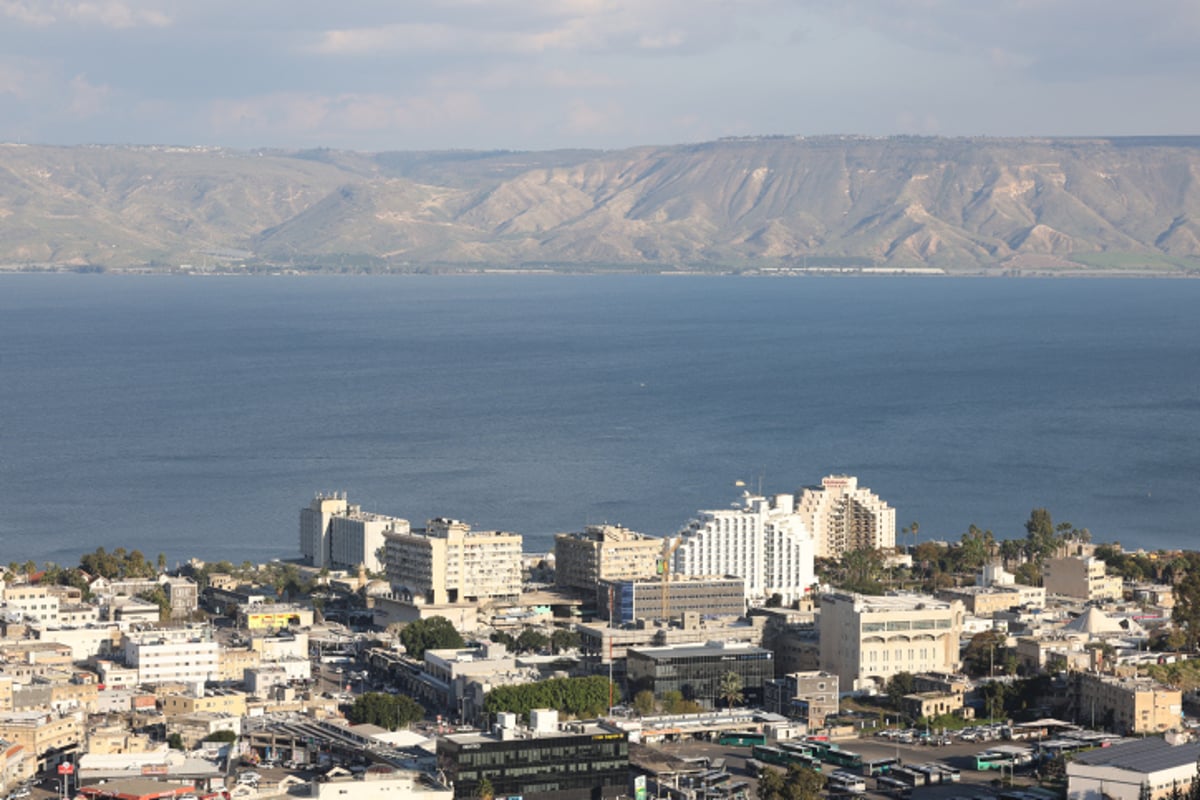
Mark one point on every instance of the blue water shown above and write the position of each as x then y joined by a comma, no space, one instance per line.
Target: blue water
196,416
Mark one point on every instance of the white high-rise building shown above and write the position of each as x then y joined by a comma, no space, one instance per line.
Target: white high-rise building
844,517
765,542
338,535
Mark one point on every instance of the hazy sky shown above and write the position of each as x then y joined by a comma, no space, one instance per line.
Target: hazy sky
537,74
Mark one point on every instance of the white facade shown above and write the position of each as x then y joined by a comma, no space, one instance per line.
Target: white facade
866,640
35,604
338,535
765,542
843,517
161,658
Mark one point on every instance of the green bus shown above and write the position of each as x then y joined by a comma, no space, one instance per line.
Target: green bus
783,758
742,739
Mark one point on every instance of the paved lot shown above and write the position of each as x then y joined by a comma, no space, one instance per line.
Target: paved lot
960,755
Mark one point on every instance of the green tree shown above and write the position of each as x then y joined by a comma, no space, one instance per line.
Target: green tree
1040,535
577,697
484,790
1186,613
531,641
221,736
505,639
730,689
770,784
175,741
901,683
974,549
562,640
774,601
643,703
802,784
389,711
158,596
434,633
984,652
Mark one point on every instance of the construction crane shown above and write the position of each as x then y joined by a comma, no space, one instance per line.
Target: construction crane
664,569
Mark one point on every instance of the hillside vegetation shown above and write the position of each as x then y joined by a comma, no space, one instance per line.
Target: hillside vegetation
963,205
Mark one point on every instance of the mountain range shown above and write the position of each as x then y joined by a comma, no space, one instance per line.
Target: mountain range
963,205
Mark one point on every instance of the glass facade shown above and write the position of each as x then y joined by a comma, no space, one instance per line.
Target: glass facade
697,673
589,766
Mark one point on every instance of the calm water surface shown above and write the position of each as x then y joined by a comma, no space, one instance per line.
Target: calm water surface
196,416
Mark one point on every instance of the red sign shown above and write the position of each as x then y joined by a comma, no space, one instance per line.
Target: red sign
66,768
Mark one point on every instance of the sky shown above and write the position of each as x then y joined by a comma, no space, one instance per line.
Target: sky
378,75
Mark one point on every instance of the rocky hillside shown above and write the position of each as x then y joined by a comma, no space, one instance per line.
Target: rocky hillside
958,204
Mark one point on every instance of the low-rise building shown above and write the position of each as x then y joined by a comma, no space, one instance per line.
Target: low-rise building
575,761
927,705
1144,769
984,601
173,655
1130,705
696,671
45,735
220,702
274,616
667,599
810,696
382,783
196,727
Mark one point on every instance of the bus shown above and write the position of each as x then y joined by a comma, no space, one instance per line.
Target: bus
742,739
890,785
830,753
766,754
841,781
879,766
990,759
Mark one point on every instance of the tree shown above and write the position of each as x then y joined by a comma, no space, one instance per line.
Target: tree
175,741
578,697
643,703
985,650
1041,541
901,683
730,689
562,640
434,633
1186,613
485,790
221,736
774,601
389,711
531,641
162,562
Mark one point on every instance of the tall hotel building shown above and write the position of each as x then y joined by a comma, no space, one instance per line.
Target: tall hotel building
844,517
447,562
765,542
335,534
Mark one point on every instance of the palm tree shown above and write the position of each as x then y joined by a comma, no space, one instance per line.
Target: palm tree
730,689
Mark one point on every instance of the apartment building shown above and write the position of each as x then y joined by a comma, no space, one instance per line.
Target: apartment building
338,535
866,640
843,516
764,541
37,604
604,553
44,734
447,562
1127,705
173,656
1085,578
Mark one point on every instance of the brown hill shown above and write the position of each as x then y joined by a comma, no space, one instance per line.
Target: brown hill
957,204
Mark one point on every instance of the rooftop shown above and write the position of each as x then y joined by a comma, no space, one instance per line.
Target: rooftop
1142,755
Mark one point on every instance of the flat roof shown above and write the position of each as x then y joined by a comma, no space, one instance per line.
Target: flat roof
1142,755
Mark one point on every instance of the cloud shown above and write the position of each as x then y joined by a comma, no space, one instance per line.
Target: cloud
315,116
87,100
535,27
1075,40
105,13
